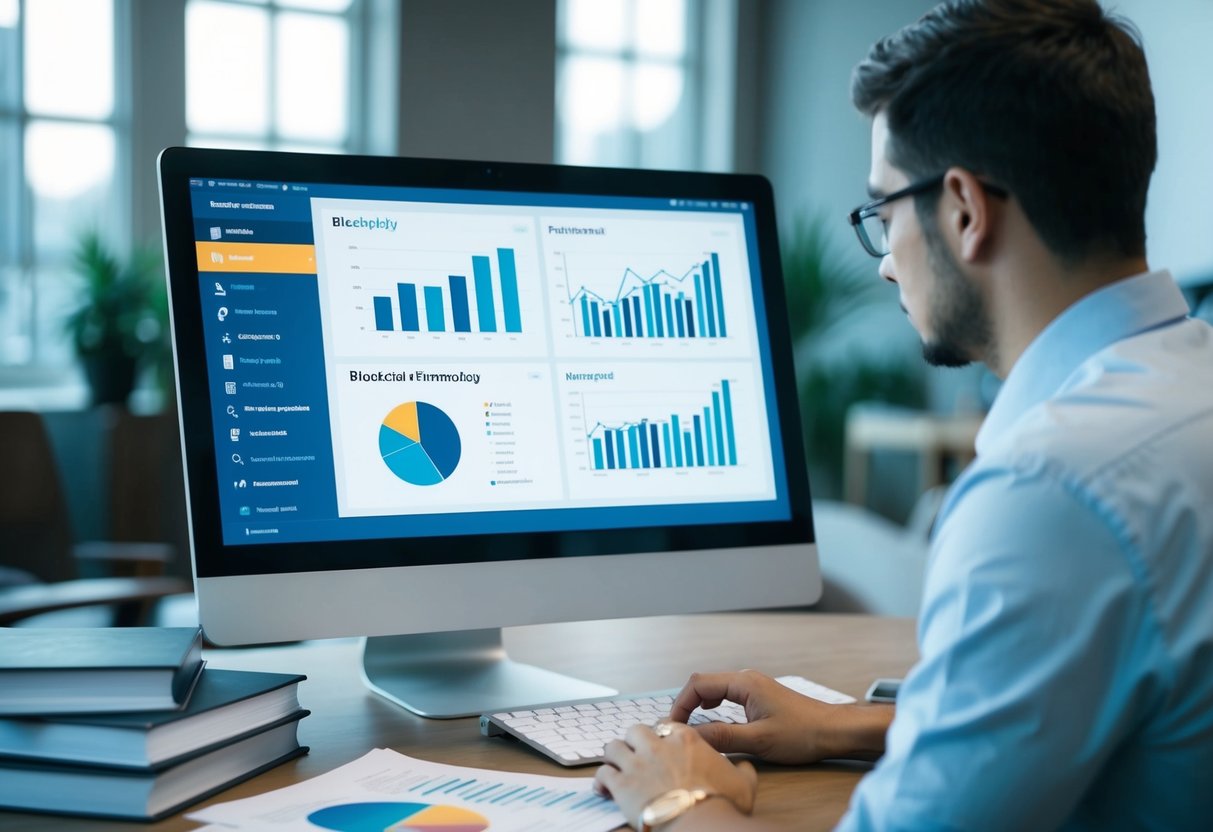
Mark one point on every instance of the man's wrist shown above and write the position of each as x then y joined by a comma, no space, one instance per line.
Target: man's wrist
857,731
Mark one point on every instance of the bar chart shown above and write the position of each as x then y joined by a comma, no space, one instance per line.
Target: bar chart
687,304
403,311
702,438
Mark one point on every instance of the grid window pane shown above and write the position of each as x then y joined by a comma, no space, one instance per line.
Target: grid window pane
596,24
592,115
227,143
313,77
226,68
656,93
318,5
661,29
9,90
70,172
69,58
10,193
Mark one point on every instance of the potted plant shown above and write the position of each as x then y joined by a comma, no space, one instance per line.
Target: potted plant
120,324
826,295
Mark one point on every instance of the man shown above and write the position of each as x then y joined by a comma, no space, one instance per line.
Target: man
1066,635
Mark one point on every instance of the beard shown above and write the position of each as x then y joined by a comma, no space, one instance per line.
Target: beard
958,315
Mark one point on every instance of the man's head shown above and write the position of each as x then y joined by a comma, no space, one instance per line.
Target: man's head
1040,109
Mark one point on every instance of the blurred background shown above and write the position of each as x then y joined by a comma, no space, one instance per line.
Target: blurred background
92,90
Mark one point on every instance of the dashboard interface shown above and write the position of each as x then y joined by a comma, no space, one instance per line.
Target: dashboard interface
386,362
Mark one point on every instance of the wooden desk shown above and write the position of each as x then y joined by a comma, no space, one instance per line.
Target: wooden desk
844,652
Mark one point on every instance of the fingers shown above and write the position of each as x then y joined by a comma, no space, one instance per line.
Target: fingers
605,780
731,739
710,689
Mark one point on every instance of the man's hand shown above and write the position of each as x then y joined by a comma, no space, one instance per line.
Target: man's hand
783,726
643,766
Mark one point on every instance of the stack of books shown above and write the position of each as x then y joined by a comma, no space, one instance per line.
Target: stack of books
129,723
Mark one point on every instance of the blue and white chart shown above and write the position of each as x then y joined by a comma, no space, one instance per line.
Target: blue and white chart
386,789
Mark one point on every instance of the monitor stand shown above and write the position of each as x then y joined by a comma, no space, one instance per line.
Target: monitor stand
464,673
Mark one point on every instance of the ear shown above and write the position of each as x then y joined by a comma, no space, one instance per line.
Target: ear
967,214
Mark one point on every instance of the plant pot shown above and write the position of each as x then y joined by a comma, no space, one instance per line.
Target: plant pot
111,376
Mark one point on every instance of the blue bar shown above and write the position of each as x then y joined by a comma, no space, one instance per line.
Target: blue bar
435,317
642,437
608,437
691,322
654,326
719,294
459,303
719,428
460,785
407,292
655,291
627,319
618,316
656,444
728,421
677,440
562,797
454,782
636,316
486,312
597,454
707,436
682,332
383,314
669,456
707,290
621,459
699,303
594,319
586,329
689,456
633,446
504,795
669,315
698,442
606,323
509,290
484,791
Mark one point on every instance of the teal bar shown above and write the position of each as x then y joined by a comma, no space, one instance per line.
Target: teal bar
665,434
598,462
719,428
660,331
634,447
618,328
435,318
707,436
620,455
509,290
703,324
719,295
728,421
486,313
682,332
677,444
648,311
690,456
669,316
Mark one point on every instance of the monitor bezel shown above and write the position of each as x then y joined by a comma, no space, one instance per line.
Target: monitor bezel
213,558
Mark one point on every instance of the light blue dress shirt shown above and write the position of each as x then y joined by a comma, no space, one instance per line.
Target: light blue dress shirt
1066,634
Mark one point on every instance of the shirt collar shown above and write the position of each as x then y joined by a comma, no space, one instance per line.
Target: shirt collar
1105,316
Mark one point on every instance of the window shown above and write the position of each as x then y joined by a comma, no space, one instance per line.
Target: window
63,152
631,82
272,74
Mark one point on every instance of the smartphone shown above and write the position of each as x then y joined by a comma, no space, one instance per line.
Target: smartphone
883,690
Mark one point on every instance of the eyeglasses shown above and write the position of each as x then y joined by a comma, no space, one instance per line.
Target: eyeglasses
871,228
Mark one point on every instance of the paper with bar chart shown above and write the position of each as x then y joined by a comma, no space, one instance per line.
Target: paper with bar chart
694,432
396,273
681,286
387,790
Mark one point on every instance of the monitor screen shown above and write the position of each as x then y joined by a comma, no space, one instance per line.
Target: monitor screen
387,364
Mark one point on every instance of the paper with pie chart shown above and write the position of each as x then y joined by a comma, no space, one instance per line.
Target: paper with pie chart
419,443
398,817
385,791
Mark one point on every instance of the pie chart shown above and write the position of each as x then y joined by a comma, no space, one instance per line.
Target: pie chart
398,817
419,443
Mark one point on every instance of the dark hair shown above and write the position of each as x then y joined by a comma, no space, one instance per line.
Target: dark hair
1049,98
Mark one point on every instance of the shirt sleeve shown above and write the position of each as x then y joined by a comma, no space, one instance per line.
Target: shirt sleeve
1029,620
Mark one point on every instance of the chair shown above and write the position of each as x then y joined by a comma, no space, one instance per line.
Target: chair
38,561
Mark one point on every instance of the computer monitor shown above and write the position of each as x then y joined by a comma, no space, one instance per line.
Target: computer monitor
423,400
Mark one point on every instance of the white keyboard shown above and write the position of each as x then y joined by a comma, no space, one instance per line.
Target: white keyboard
574,733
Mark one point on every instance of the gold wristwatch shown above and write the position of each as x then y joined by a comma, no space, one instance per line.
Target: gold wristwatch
665,807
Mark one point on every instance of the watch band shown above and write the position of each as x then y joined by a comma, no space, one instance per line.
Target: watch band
666,807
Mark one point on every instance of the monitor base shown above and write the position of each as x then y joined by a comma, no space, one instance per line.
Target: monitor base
464,673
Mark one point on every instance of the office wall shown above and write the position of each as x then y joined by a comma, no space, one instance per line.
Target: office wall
478,79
